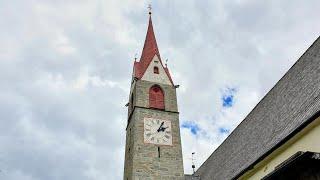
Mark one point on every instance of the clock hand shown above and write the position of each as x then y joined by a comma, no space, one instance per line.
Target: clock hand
163,129
159,129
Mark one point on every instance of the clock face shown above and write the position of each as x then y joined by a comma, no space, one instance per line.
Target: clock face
157,131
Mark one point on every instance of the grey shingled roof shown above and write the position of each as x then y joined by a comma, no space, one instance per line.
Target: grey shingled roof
191,177
285,108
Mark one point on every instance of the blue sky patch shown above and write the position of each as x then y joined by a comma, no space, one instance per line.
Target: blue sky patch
223,130
228,97
194,128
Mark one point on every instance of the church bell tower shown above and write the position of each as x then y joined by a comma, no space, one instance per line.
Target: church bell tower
153,144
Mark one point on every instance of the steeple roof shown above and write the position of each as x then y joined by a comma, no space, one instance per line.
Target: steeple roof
150,49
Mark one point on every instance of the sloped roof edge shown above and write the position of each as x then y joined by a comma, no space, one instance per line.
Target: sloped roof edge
310,59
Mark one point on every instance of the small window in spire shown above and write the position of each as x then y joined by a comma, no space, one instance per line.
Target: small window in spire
156,70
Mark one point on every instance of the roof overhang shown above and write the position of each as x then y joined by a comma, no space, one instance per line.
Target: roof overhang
301,164
283,141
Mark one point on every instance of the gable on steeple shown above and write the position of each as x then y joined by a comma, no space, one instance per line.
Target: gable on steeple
149,52
155,72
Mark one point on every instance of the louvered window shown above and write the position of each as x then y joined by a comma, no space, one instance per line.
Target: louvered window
156,97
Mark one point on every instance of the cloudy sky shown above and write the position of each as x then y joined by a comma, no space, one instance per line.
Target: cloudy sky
65,69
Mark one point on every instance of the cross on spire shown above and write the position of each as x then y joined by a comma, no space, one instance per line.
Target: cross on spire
150,8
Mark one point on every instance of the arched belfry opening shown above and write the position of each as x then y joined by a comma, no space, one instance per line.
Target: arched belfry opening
156,97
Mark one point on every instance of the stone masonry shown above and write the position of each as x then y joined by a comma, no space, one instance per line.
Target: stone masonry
141,160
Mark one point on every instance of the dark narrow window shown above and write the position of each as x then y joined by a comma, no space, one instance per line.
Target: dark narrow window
156,70
158,152
156,97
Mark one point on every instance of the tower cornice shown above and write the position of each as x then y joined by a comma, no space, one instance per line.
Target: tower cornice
155,109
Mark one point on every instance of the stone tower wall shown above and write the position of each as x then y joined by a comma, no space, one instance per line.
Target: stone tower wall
142,160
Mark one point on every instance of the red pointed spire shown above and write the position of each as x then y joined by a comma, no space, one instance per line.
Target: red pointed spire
150,49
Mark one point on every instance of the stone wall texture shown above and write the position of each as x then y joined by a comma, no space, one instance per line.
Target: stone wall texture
142,160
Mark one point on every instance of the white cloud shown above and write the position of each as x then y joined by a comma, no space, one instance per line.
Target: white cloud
65,71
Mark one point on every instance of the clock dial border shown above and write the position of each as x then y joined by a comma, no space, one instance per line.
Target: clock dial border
154,143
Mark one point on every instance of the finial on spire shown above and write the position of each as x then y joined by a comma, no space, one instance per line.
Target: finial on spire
135,57
150,8
193,166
